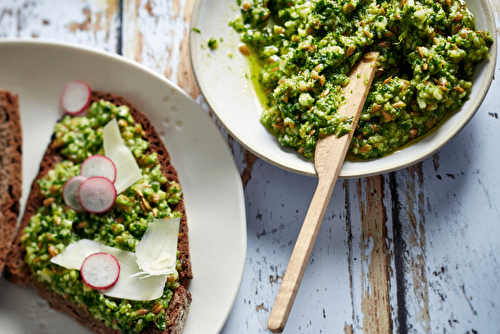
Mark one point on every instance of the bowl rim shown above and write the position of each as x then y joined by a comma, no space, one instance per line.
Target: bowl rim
482,90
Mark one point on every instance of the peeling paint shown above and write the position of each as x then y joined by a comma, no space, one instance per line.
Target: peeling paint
185,76
375,295
348,329
250,160
415,213
85,25
132,37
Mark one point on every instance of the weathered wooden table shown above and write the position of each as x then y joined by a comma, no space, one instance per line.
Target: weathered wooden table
412,251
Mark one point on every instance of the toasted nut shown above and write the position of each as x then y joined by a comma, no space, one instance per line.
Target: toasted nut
413,133
421,51
53,251
244,49
141,311
310,47
146,203
157,308
384,44
407,84
314,75
365,148
368,57
386,115
123,123
322,80
171,278
459,89
325,93
399,104
375,108
48,201
82,224
350,51
386,81
54,188
425,66
301,150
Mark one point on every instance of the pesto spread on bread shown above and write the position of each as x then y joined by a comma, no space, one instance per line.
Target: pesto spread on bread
55,225
302,52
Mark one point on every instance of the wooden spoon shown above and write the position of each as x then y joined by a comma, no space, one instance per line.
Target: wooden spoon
328,159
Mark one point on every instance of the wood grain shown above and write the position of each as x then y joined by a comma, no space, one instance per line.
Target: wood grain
374,252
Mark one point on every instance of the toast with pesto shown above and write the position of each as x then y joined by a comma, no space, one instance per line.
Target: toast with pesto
10,170
48,225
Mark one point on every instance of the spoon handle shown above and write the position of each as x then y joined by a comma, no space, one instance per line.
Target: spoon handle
300,257
329,157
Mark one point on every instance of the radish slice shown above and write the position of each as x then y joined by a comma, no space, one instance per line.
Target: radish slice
97,194
98,165
100,271
70,193
75,97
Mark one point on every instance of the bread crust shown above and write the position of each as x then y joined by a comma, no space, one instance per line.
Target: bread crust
10,170
18,272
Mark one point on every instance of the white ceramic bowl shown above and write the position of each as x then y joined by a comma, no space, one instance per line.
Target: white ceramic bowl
224,83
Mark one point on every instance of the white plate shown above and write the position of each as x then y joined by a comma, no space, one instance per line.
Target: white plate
225,85
214,199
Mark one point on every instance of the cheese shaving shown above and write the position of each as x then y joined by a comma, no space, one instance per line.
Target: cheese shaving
127,169
131,284
157,250
144,273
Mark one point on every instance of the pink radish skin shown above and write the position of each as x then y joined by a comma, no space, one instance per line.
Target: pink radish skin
98,165
100,271
97,194
75,97
70,193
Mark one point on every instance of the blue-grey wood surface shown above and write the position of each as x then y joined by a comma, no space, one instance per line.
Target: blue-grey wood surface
412,251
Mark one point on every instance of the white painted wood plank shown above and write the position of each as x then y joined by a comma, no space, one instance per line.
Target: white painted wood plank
462,187
155,33
92,22
277,202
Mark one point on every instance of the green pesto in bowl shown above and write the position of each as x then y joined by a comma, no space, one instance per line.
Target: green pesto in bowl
302,52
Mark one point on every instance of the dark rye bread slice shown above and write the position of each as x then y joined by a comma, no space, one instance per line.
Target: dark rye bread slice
18,272
10,170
